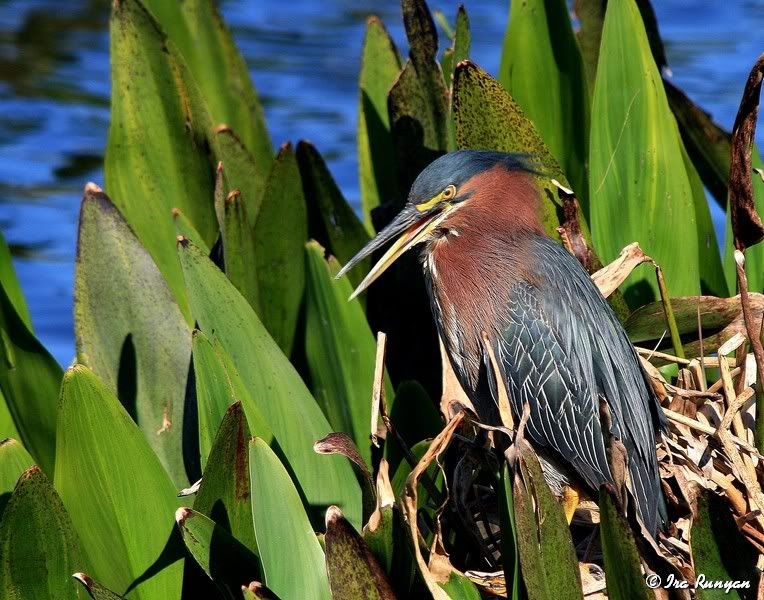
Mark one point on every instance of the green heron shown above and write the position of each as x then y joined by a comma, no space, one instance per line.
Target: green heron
492,271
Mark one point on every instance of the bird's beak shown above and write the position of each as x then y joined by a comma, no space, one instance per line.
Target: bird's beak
411,226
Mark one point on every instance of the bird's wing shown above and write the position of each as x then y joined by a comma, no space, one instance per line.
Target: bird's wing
561,350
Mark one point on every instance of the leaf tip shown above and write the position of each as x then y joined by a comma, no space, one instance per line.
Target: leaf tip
92,188
84,579
182,514
222,128
232,196
333,514
182,241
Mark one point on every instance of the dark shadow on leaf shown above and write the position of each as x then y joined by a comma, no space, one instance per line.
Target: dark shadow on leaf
173,551
191,450
127,377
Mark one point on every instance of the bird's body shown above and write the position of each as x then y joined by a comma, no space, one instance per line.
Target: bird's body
492,273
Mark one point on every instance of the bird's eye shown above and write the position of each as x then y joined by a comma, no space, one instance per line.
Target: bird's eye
449,192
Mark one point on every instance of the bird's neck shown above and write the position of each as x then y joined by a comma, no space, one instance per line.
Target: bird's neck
484,248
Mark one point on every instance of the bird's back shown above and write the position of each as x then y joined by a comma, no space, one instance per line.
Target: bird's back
561,349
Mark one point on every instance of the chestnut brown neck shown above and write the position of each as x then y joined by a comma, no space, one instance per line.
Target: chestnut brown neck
481,250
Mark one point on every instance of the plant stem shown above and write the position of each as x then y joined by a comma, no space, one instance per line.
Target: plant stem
668,311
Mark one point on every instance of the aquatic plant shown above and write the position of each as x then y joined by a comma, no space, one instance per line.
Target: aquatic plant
214,344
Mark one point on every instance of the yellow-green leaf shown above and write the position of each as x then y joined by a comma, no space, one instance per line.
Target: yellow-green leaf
129,329
156,155
639,187
118,495
39,549
14,460
541,67
380,65
340,350
291,557
285,402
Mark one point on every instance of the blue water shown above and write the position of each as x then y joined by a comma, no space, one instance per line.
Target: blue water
304,56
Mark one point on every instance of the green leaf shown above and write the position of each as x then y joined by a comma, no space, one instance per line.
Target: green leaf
547,557
620,554
224,492
331,220
225,560
11,283
291,412
488,118
280,232
185,228
380,65
241,170
119,496
94,589
509,552
353,570
291,557
541,67
156,156
29,380
7,426
38,546
218,386
460,50
712,281
458,587
257,590
129,329
418,101
708,145
14,460
239,248
198,30
719,551
340,350
639,188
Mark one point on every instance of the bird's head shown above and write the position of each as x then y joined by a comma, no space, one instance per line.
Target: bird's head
443,187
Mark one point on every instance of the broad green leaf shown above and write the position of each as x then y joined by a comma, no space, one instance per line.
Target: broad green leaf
708,145
380,65
352,568
620,554
285,402
340,350
488,118
129,329
240,170
119,496
547,557
156,155
639,188
509,552
290,555
239,248
29,381
459,50
14,460
185,228
7,426
94,589
541,67
11,283
224,493
415,417
719,551
418,100
39,549
198,30
280,233
331,220
754,256
225,560
712,281
218,386
458,587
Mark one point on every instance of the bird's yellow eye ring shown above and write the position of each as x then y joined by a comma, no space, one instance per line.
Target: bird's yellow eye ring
449,192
